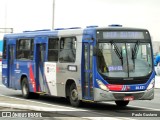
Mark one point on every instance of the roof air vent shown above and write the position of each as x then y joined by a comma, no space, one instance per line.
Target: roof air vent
115,25
92,26
75,28
59,29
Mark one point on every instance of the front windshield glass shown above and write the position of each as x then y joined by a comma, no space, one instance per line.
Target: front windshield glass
124,59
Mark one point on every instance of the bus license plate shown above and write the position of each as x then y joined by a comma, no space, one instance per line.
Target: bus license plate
128,98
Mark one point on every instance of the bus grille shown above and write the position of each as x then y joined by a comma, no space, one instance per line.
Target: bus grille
127,82
121,96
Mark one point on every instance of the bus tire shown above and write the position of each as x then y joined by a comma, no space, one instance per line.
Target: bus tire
25,89
73,96
121,103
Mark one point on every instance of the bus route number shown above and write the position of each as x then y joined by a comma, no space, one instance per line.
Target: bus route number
140,87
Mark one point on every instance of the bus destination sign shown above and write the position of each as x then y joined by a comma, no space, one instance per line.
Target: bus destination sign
123,35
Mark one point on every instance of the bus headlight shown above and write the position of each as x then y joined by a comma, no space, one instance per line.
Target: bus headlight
151,85
102,86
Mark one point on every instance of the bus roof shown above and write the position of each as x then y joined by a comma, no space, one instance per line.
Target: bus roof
66,31
122,28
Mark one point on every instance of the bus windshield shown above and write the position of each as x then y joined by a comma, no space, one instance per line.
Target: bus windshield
124,59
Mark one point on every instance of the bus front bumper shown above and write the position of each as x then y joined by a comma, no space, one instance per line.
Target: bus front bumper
101,95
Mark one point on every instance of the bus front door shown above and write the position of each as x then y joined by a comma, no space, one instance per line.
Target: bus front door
40,59
11,57
87,73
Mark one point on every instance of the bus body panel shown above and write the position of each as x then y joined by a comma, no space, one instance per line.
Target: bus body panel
61,72
24,68
50,72
62,77
5,73
102,95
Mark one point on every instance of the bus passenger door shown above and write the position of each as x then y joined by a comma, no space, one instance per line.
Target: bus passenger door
11,57
87,73
40,59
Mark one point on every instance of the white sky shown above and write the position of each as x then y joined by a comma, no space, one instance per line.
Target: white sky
37,14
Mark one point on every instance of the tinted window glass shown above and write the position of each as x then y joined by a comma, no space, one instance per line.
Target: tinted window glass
25,49
67,49
53,49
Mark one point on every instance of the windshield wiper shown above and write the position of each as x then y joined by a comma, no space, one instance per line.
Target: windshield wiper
134,52
117,51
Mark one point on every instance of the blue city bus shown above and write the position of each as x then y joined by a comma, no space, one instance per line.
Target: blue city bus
93,64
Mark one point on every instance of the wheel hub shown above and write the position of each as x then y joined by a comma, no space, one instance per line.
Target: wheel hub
74,94
24,89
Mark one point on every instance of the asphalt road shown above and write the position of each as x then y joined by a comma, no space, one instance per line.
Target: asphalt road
102,109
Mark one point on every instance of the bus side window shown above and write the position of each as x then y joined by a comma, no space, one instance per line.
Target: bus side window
67,49
53,49
24,49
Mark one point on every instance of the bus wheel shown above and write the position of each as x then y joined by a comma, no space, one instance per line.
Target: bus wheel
121,103
73,96
25,89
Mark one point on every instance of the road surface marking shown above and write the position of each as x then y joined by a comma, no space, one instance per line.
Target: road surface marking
39,102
